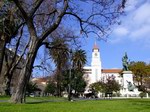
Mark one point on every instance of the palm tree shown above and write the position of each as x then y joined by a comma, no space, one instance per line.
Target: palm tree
79,59
59,53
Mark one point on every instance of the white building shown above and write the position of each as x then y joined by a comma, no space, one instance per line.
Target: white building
95,73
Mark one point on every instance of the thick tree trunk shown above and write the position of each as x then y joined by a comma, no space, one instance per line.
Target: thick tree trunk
7,84
25,74
2,52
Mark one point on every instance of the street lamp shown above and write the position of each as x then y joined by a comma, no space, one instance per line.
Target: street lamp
75,84
69,85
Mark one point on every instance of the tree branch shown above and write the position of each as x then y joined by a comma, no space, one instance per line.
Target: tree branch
48,14
34,9
80,20
24,14
87,21
56,23
20,57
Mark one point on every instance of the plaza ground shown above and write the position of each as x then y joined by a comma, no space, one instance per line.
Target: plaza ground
62,105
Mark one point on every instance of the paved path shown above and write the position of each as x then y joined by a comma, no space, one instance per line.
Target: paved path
3,100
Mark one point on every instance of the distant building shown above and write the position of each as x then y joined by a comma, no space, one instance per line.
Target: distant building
95,73
41,84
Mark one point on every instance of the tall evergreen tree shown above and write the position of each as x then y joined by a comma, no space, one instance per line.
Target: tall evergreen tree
59,53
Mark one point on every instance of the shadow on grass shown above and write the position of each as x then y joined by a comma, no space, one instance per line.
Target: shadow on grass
44,101
38,102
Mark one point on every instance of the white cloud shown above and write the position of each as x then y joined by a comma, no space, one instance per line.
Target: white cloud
121,31
140,33
131,5
142,14
136,25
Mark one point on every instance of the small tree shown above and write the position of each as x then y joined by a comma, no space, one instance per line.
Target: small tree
108,86
98,87
111,85
31,88
76,81
50,88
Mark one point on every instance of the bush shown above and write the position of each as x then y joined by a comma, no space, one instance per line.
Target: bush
142,94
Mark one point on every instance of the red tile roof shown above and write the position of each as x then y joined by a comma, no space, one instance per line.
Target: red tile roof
111,70
40,80
95,46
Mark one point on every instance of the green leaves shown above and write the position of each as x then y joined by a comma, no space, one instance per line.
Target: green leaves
32,87
50,87
59,52
77,81
79,59
108,86
141,72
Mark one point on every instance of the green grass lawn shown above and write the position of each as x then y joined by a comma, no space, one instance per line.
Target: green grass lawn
59,105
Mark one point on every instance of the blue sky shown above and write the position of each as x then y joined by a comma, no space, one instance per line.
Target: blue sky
132,36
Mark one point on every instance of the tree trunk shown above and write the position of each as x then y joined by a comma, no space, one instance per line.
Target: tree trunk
7,84
2,52
58,83
25,74
69,86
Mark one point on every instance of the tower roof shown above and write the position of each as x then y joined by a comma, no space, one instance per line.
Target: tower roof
95,46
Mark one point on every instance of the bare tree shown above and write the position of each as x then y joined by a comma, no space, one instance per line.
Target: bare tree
16,62
97,19
9,26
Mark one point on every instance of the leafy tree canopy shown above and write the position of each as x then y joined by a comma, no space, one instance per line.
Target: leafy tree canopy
108,86
141,71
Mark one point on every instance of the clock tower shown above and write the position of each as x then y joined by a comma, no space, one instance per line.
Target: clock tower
96,64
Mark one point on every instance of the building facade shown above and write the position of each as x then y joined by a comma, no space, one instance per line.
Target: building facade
95,73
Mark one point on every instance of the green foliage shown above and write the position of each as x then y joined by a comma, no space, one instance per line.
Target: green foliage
77,81
59,52
31,88
138,68
79,59
108,86
50,88
98,86
112,85
141,72
142,94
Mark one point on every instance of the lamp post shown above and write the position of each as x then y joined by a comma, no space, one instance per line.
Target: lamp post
69,85
75,85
